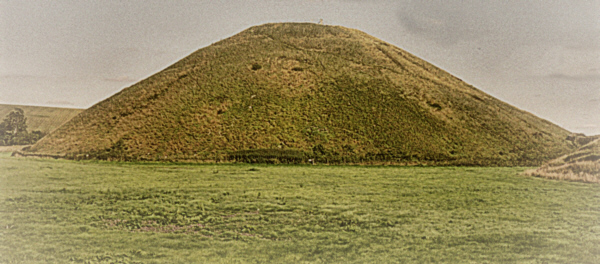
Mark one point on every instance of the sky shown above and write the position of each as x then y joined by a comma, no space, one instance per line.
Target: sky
540,56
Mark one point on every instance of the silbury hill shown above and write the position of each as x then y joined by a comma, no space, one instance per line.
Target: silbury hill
299,92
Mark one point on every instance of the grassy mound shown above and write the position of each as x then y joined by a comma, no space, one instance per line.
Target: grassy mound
581,165
326,93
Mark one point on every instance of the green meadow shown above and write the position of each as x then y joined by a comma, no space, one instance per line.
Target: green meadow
59,211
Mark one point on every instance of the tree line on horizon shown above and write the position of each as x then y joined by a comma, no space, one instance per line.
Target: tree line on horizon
13,130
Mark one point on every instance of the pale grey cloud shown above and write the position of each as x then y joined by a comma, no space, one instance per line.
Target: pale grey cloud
123,79
586,77
60,103
520,22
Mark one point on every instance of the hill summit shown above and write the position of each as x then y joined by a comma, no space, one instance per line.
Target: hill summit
293,92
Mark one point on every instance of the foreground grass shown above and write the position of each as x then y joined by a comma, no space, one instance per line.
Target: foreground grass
96,212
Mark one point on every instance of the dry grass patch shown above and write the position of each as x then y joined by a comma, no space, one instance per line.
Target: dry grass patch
582,165
12,148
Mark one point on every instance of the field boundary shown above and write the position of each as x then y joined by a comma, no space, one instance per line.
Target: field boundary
37,155
12,148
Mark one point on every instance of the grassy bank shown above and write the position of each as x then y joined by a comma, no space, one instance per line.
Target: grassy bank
11,149
45,119
581,165
99,212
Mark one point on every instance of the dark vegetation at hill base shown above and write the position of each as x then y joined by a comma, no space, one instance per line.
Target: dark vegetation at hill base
293,92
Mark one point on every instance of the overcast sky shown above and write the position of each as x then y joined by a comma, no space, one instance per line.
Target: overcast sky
541,56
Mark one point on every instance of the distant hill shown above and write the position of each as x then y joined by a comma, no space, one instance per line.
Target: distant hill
581,165
41,118
293,92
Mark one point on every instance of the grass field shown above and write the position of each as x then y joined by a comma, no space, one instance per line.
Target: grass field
57,211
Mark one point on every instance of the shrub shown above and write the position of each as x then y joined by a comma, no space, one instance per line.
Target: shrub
256,67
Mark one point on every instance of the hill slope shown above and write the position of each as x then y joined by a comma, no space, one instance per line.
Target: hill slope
42,118
581,165
297,91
